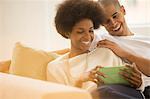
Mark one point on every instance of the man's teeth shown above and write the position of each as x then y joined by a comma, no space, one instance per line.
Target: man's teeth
86,42
117,28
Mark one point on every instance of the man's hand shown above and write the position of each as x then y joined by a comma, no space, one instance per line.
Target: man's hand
132,75
114,47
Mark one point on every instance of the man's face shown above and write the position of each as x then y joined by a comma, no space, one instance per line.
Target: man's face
115,22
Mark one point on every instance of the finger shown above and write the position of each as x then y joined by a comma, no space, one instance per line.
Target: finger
129,79
106,42
135,68
125,71
137,75
128,65
125,75
98,67
132,79
100,81
133,83
100,73
97,81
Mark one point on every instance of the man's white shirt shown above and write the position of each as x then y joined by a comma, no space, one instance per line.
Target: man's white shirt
139,45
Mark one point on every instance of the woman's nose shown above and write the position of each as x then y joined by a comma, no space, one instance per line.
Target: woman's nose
87,36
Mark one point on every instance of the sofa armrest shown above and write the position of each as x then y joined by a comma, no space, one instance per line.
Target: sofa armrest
4,66
17,87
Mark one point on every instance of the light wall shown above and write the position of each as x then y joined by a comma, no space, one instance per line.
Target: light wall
24,21
30,22
1,26
55,41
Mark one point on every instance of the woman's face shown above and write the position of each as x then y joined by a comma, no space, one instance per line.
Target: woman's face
82,35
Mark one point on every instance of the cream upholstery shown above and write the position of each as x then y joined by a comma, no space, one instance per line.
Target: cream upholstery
30,62
16,87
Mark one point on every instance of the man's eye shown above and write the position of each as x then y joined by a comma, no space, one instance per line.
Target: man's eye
115,16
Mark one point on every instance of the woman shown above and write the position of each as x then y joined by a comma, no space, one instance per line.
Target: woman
76,20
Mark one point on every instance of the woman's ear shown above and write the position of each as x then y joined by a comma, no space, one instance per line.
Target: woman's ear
123,10
67,35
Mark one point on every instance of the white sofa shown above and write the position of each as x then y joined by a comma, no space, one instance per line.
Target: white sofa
17,87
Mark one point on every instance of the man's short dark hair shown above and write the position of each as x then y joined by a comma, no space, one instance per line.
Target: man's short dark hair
109,2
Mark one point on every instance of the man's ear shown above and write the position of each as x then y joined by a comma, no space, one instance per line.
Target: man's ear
123,10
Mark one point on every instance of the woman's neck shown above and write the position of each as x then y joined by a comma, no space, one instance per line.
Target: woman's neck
74,53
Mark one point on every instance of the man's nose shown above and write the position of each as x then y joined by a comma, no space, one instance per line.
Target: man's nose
112,22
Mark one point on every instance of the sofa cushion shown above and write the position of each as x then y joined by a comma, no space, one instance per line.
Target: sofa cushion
17,87
30,62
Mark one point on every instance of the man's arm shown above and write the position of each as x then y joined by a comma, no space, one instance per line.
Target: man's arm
142,64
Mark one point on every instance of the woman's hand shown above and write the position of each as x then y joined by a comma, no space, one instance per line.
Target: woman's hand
132,75
114,47
93,75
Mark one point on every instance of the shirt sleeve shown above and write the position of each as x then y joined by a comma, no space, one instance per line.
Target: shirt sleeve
55,73
142,87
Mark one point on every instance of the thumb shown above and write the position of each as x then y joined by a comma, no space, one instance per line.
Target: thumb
135,67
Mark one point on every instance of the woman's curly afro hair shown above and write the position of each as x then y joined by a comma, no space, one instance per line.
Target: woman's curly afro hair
72,11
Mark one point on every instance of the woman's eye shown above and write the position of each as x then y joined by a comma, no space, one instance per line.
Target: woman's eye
80,32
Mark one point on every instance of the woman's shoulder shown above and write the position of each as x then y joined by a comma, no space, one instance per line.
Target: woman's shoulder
58,60
101,51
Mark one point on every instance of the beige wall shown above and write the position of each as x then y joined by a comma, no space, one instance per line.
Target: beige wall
25,21
32,23
29,22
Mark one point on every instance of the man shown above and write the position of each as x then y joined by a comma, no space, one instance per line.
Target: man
116,25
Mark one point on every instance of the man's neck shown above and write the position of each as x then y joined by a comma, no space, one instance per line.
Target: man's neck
128,32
